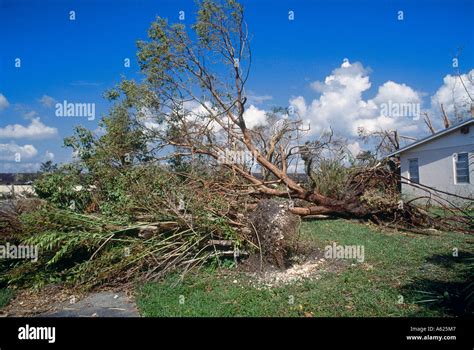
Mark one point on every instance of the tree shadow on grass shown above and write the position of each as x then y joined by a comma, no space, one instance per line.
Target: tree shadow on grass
446,294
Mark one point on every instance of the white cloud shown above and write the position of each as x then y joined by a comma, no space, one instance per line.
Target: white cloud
30,114
351,78
296,166
255,117
3,102
8,152
453,95
48,156
194,109
340,104
399,93
299,104
145,117
47,101
258,99
198,114
36,130
354,148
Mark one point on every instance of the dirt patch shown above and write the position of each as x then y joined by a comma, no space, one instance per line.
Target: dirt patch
30,302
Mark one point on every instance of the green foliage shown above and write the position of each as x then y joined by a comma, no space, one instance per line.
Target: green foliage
82,144
61,188
122,143
330,178
114,195
96,178
156,192
48,167
88,250
67,242
211,14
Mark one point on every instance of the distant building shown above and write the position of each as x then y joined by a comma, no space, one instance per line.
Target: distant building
18,178
444,161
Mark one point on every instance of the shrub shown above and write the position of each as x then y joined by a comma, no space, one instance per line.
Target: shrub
330,179
65,188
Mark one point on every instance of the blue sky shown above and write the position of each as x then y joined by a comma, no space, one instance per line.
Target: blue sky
78,60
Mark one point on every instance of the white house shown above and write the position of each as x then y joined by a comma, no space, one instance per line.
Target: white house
444,161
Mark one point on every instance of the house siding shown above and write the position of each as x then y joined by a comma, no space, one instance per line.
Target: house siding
436,165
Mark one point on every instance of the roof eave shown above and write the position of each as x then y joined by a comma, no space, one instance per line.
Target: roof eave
429,138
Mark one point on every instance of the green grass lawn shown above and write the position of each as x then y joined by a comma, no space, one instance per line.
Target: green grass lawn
5,296
402,275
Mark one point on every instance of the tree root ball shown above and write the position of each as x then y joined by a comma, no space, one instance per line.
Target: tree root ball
277,229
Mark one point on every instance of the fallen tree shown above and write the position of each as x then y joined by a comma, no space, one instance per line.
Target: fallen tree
192,105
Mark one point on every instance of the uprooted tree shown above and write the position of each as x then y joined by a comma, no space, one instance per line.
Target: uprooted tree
192,103
191,111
